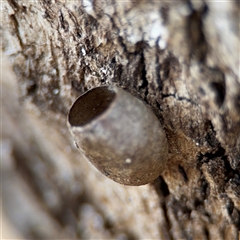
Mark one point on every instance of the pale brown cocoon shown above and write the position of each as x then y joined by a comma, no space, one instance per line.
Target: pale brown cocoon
119,134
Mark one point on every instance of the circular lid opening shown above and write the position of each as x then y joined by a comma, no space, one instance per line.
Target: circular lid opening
90,105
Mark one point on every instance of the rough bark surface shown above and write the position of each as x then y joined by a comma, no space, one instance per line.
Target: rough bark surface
181,58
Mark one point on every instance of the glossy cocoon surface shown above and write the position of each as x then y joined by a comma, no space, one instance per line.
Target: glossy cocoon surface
119,134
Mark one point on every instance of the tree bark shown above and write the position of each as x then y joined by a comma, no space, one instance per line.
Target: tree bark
181,58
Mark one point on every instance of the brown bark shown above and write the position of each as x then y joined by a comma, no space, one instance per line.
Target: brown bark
181,58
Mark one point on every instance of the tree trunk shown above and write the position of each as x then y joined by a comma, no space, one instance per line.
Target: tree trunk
181,58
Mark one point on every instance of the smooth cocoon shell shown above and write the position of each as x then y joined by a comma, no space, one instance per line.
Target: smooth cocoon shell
119,134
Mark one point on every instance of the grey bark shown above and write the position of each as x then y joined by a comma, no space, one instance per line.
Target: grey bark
181,58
